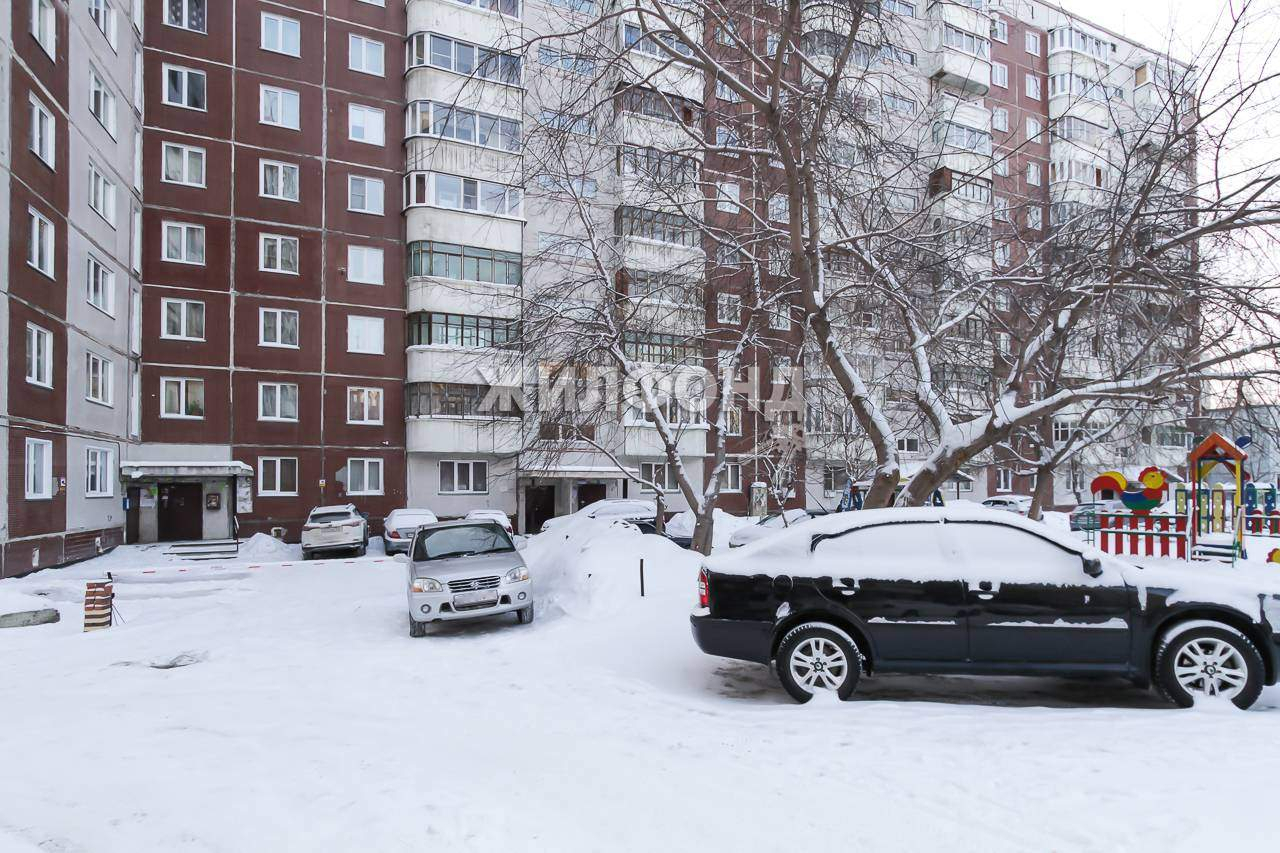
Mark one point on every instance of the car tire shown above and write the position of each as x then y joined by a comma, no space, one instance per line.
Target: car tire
361,550
815,656
416,628
525,615
1210,658
306,555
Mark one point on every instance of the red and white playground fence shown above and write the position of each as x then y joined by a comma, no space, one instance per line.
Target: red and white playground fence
1126,534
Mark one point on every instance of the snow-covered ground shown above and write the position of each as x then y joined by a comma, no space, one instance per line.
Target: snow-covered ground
267,704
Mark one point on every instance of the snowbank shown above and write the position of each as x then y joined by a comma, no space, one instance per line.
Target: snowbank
724,525
264,548
13,600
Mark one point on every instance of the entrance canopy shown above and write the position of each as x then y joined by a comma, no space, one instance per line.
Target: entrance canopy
173,470
581,472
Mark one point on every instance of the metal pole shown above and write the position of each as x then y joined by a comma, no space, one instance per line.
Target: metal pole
642,577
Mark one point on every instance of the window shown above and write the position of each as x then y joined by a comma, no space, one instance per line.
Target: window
281,35
908,445
183,164
278,107
728,308
1033,43
183,243
39,356
364,265
364,55
44,133
100,287
566,60
366,124
102,195
461,330
278,180
97,379
184,87
1000,75
39,242
953,135
1004,479
185,14
727,195
1000,30
1000,119
1033,174
966,42
1033,86
277,475
364,195
782,369
364,335
506,7
135,238
44,26
102,103
98,479
364,405
656,225
39,475
277,401
458,400
277,327
137,80
181,398
1000,254
364,476
1035,218
183,319
1034,129
780,318
779,208
466,263
732,477
457,193
1000,166
463,477
462,58
425,118
660,474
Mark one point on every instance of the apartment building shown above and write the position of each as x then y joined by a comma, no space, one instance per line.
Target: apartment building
71,192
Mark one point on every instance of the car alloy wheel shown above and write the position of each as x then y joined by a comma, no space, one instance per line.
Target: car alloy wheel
1210,659
818,664
1211,667
818,657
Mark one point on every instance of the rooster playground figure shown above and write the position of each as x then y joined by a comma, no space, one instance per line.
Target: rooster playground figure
1139,497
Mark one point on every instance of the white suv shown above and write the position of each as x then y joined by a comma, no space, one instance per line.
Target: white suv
1021,504
335,528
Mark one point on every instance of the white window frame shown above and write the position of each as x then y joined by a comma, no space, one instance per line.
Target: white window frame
186,228
281,168
380,125
365,464
1031,42
41,242
105,371
470,466
186,87
185,316
649,472
1000,75
39,371
43,133
102,102
101,279
1032,86
40,489
1000,119
732,478
284,96
728,195
102,195
188,153
354,251
726,302
279,388
275,462
279,241
98,466
382,194
279,314
182,25
366,390
282,27
361,47
1004,479
1035,177
382,327
44,26
184,382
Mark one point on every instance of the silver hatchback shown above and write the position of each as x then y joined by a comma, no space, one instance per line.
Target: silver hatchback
464,570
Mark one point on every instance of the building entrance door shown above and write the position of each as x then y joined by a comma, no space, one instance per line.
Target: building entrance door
589,493
180,512
539,505
132,515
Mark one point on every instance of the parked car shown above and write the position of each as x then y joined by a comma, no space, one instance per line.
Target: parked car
1085,515
985,593
495,515
767,526
1021,504
400,525
335,528
464,570
627,509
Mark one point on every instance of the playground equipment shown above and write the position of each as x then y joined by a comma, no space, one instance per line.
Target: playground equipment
1138,532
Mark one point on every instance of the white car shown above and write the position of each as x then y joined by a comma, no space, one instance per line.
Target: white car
400,526
625,509
767,526
495,515
335,528
1021,504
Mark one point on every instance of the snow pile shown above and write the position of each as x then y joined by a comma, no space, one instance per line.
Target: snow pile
590,567
724,525
1057,520
12,600
266,549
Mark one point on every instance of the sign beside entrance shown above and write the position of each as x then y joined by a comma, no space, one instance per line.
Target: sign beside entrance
244,495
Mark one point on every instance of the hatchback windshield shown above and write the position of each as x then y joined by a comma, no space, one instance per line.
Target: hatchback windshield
461,541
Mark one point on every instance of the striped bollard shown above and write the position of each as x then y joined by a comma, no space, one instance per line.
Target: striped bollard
98,596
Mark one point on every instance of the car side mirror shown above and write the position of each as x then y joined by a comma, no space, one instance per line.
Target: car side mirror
1092,567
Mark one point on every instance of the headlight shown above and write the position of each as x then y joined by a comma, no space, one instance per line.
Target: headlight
427,585
519,573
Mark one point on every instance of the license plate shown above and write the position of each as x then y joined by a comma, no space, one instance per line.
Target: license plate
468,599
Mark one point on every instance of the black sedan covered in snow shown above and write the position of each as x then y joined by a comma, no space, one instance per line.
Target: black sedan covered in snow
974,591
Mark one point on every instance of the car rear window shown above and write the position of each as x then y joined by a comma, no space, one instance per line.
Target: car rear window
323,517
